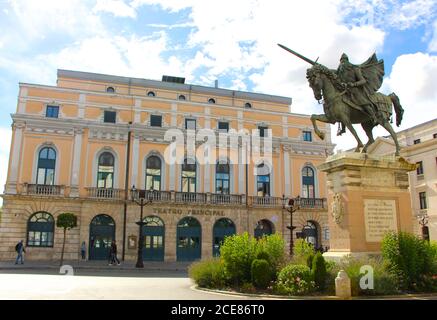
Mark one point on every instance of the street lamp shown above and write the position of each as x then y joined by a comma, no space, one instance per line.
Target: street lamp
291,205
141,198
423,221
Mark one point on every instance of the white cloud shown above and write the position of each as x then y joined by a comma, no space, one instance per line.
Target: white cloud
127,56
35,19
413,78
117,7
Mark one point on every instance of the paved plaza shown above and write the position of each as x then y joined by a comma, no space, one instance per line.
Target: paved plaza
89,283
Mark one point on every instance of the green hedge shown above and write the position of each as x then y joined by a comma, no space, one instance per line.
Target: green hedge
295,279
208,273
261,273
411,260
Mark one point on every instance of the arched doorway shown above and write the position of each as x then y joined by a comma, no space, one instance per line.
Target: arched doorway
189,237
310,233
222,228
153,232
263,227
102,232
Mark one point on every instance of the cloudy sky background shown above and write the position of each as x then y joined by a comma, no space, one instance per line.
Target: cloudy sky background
231,41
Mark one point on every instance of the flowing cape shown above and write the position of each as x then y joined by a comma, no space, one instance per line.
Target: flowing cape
373,72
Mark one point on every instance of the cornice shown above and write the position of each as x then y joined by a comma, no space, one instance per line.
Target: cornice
150,99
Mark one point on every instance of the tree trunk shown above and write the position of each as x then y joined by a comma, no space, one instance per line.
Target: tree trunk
63,248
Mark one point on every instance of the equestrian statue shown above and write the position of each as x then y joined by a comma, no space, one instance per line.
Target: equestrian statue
350,95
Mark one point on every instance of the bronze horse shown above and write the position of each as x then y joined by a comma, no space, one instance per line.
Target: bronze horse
337,108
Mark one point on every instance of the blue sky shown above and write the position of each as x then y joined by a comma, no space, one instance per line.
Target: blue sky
231,41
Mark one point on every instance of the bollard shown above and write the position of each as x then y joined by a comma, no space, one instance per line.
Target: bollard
343,285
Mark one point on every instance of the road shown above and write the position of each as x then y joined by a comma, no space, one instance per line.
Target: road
101,285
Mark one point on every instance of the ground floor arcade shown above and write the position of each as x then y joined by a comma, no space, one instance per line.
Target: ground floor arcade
171,232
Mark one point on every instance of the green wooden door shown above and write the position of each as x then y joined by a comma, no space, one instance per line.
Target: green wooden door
189,239
222,228
154,240
102,232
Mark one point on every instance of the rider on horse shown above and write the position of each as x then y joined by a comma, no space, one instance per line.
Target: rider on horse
357,89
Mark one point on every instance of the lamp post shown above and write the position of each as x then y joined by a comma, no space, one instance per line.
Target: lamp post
423,221
139,197
291,205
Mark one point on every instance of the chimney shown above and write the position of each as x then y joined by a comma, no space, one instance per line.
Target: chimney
216,84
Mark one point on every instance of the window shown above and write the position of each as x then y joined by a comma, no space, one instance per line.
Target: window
308,182
222,178
248,105
307,136
211,100
155,121
417,141
223,126
182,97
422,200
151,94
190,124
262,181
46,166
419,168
110,89
109,116
40,230
153,173
188,177
52,111
263,131
105,171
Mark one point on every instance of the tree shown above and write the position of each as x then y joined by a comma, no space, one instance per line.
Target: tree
66,221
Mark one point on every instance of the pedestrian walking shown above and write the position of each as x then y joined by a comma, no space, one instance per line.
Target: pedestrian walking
113,254
83,250
19,248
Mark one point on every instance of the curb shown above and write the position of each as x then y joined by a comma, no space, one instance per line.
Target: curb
278,297
264,296
91,268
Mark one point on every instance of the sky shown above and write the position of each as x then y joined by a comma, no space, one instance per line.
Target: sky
233,42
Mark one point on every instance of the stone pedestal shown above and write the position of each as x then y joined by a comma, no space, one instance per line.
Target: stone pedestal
367,197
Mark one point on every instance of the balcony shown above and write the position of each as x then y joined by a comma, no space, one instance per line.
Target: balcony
104,193
257,201
190,197
224,199
312,203
43,190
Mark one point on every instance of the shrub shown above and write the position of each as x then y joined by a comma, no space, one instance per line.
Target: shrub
319,271
310,259
295,280
412,261
237,253
261,273
302,251
384,282
272,249
208,273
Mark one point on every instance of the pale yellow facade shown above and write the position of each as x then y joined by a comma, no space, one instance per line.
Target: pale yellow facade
79,136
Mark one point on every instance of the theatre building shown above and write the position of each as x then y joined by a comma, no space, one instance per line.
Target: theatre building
90,143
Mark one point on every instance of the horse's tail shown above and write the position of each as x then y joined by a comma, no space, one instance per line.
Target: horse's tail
398,108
